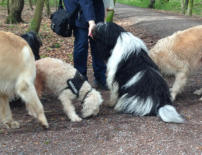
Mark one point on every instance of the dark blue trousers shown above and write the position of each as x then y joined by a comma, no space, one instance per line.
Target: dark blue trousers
80,55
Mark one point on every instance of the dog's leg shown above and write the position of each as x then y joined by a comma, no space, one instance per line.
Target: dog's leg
113,99
198,92
113,95
6,115
180,81
27,92
66,97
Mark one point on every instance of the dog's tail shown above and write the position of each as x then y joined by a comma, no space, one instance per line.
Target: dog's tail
169,114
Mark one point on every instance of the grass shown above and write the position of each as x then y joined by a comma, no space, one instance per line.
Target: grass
51,2
172,5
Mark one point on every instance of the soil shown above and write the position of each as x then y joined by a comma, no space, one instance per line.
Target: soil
110,132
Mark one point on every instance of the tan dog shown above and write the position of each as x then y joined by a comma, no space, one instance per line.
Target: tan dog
52,77
179,55
17,74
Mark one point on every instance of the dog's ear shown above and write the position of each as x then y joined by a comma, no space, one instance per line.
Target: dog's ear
36,37
34,42
105,35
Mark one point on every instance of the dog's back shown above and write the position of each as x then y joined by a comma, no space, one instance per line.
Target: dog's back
183,48
55,72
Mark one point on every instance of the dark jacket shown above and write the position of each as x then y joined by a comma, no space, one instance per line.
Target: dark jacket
89,10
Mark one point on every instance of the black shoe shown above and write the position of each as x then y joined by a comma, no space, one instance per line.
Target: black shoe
99,85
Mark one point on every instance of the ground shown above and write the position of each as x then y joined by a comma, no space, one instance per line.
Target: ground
110,132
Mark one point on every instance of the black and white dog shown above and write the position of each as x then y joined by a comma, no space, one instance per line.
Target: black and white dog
135,84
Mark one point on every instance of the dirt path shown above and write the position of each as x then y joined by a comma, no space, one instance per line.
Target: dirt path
113,133
156,23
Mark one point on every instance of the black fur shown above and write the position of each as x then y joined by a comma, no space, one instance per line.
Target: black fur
34,42
106,41
151,84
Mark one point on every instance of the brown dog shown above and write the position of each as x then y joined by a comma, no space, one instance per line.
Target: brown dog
17,75
179,55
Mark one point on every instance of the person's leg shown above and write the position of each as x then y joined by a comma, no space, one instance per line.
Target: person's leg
81,50
99,66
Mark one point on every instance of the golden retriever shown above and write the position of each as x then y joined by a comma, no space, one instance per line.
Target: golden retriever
179,55
17,75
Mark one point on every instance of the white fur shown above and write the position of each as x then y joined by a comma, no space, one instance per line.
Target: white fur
134,105
17,74
121,51
169,114
134,79
52,75
198,92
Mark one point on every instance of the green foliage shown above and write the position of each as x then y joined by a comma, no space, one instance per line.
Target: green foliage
56,45
43,56
70,57
109,17
3,3
171,5
139,3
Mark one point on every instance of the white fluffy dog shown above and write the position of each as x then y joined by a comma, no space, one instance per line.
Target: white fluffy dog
179,55
63,80
17,74
135,84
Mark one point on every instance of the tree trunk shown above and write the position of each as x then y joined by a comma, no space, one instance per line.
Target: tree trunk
186,4
8,8
56,5
190,7
152,4
30,4
15,11
36,21
47,7
109,5
183,6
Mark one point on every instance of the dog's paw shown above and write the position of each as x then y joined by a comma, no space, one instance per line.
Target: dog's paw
111,104
172,94
76,119
42,119
15,125
200,99
198,92
12,125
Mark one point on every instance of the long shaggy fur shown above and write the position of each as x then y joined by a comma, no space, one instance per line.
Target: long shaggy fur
17,75
179,55
52,76
134,80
